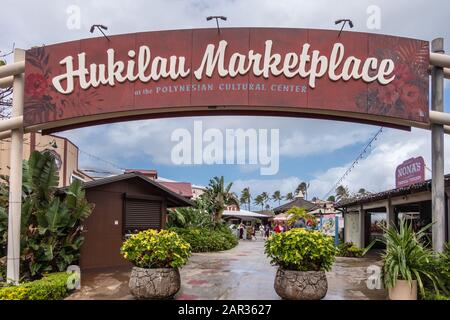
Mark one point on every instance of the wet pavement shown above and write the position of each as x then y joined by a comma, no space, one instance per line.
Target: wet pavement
243,273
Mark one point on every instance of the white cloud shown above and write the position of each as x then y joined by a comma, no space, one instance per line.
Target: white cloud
298,137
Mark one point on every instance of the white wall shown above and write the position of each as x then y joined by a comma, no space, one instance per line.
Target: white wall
351,231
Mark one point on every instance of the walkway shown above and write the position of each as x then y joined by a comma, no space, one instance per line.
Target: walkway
241,273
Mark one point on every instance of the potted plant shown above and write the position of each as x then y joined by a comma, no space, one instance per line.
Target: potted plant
156,256
303,256
407,262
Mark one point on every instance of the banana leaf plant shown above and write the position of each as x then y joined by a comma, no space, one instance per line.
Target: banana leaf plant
51,233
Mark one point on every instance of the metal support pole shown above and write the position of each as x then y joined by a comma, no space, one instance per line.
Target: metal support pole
15,178
437,153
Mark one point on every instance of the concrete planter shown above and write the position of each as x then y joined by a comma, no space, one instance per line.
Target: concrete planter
403,291
301,285
161,283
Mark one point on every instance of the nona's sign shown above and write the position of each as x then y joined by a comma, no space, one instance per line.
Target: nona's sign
286,72
410,172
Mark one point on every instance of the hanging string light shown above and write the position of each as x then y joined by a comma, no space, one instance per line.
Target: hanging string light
355,162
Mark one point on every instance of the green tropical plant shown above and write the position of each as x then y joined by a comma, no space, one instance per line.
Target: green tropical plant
301,250
277,196
442,269
407,258
218,196
156,249
296,213
265,197
303,187
289,196
342,193
444,266
259,201
349,249
51,233
197,216
246,197
363,192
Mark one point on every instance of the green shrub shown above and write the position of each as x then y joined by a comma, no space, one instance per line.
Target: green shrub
302,250
444,266
207,240
442,269
349,249
51,287
431,295
153,249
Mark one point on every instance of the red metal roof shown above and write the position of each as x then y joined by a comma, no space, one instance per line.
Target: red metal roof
182,188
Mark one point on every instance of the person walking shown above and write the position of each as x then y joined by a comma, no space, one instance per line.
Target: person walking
241,231
267,231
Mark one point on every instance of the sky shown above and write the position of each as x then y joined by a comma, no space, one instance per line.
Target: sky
315,151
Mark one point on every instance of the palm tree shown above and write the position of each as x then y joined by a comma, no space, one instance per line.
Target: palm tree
267,207
331,198
220,196
246,197
277,196
303,187
341,193
289,196
265,197
363,191
259,201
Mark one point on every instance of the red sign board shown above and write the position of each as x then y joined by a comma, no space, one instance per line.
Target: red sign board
358,76
410,172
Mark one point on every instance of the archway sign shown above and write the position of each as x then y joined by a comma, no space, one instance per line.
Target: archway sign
357,77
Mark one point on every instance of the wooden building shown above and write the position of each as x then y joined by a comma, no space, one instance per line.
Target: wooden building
123,204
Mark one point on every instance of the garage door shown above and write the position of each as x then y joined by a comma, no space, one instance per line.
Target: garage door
142,215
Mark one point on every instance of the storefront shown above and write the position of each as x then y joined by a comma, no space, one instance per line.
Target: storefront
364,216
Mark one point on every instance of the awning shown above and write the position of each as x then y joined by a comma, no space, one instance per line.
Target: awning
243,214
281,217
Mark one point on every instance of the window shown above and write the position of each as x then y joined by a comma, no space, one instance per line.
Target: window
142,215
